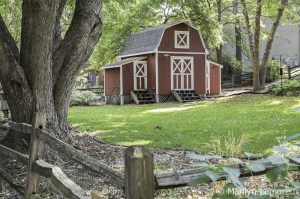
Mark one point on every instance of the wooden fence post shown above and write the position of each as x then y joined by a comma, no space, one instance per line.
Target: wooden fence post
289,72
139,173
1,184
35,153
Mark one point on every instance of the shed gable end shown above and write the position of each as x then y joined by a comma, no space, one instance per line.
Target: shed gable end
181,38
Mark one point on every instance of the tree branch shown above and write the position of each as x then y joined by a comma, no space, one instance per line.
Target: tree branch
75,49
7,38
257,26
248,25
58,28
12,76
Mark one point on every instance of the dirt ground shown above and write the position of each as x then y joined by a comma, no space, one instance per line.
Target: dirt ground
165,161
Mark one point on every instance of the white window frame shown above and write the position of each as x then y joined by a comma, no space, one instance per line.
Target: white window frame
181,58
178,43
144,63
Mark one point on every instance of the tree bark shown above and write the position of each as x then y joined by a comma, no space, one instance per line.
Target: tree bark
254,41
238,42
220,47
41,77
275,25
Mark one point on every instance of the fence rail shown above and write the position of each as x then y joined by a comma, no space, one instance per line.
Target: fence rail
231,81
139,175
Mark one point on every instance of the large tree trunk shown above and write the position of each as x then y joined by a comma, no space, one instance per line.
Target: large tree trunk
41,77
254,41
270,42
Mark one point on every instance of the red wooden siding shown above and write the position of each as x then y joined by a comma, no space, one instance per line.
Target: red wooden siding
168,41
112,80
199,73
151,72
164,70
127,78
215,79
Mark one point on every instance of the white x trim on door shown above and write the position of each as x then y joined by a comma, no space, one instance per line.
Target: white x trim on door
140,75
182,73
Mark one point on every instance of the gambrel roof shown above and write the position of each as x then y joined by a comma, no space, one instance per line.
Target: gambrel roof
147,40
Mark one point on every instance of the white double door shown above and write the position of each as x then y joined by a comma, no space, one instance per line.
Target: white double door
182,73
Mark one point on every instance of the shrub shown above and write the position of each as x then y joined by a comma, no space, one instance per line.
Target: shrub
289,87
83,98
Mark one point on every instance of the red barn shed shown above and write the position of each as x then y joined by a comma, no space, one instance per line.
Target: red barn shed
163,63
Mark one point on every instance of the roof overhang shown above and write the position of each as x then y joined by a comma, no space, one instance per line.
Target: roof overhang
122,62
211,62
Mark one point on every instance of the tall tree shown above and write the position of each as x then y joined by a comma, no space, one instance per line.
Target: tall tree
39,76
269,43
254,34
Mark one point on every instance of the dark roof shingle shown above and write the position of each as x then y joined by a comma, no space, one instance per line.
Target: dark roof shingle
146,40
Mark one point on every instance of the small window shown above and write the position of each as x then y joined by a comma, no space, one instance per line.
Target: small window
182,39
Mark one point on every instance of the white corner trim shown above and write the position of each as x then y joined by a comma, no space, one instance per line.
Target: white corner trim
156,76
207,76
121,86
104,86
220,68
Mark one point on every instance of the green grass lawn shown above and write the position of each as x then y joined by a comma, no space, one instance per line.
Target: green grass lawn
261,118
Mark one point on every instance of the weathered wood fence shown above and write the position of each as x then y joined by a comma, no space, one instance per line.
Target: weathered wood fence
139,180
293,72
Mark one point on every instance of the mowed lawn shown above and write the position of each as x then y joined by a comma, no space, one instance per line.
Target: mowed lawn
262,118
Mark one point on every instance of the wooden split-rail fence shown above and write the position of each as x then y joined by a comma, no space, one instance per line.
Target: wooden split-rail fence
139,180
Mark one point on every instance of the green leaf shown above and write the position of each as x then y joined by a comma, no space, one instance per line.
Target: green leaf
260,197
277,160
256,167
214,176
290,137
204,179
274,173
232,171
281,150
295,185
223,196
197,157
297,160
200,164
235,180
249,155
228,186
236,160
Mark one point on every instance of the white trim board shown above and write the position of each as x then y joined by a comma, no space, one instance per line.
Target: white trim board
156,77
135,54
211,62
185,53
118,66
121,86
